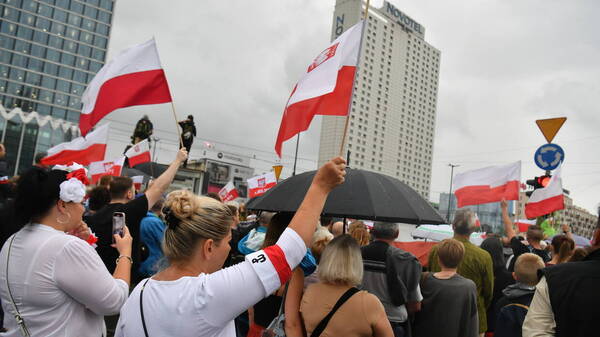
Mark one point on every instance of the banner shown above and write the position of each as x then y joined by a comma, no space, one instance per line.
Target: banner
261,184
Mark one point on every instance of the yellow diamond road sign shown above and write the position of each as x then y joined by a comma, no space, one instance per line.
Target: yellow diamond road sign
550,127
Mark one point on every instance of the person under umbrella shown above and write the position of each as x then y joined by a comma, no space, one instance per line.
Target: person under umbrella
194,296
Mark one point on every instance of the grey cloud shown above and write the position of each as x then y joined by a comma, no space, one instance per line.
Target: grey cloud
504,64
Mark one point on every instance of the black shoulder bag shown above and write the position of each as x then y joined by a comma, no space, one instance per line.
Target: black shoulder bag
142,307
323,324
17,314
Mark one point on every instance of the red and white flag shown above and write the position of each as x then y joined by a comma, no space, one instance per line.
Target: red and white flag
139,153
82,150
134,77
261,184
4,180
325,88
106,168
548,199
228,192
488,184
137,182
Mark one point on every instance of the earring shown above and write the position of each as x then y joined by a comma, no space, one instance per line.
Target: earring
65,221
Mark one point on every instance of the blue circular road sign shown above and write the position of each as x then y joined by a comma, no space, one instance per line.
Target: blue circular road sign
549,156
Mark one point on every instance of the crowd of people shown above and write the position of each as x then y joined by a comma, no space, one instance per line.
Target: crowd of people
189,265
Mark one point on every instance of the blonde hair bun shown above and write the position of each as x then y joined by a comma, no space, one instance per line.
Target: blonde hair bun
192,218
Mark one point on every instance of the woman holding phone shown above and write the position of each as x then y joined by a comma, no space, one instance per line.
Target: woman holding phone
52,282
194,296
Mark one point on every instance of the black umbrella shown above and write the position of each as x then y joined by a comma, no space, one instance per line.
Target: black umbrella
130,172
364,195
151,168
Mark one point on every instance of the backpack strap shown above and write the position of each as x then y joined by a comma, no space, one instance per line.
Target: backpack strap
323,324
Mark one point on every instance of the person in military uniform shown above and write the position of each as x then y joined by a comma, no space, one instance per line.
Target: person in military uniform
143,130
188,132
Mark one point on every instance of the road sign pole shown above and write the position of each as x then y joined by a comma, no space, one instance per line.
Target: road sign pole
450,193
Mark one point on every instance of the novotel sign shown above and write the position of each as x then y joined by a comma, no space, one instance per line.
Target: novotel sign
403,19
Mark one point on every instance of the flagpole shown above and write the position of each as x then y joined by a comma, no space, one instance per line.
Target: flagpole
362,34
172,104
296,156
177,125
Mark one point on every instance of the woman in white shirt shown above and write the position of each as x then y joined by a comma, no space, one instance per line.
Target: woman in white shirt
194,296
50,277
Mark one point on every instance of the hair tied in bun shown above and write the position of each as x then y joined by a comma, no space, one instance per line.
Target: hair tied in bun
170,218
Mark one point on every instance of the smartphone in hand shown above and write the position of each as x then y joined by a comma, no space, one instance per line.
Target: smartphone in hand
118,223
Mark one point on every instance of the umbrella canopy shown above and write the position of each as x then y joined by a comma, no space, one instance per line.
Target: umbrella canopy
151,168
365,195
441,232
580,241
130,172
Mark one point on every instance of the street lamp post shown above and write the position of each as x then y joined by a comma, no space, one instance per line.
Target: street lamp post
452,166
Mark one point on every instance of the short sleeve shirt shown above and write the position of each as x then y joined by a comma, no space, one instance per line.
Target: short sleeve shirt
101,225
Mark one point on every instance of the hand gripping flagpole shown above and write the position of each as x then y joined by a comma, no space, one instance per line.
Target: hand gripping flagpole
362,34
172,103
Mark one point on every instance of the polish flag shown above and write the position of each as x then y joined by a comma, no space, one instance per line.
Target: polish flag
325,88
228,192
548,199
261,184
99,169
4,180
139,153
137,182
488,184
82,150
134,77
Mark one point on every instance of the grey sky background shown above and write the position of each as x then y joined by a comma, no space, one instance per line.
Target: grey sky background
504,64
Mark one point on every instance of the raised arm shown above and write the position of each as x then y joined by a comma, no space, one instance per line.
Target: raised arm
160,185
266,270
567,231
508,224
307,217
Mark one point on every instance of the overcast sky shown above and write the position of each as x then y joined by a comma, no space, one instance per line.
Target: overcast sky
504,64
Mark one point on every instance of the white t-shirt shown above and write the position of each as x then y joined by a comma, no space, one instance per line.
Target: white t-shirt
59,284
206,305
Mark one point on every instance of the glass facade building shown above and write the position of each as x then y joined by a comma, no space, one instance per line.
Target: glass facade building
49,51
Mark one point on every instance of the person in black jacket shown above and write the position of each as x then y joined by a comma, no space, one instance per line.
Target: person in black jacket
502,277
513,306
566,298
188,132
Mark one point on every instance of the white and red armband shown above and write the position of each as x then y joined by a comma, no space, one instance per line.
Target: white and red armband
274,264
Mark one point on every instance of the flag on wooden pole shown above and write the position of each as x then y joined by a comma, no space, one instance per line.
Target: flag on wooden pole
325,88
134,77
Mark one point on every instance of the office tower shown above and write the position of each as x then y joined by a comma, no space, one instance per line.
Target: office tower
392,120
49,52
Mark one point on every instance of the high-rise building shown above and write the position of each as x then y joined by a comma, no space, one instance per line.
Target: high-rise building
49,52
392,120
